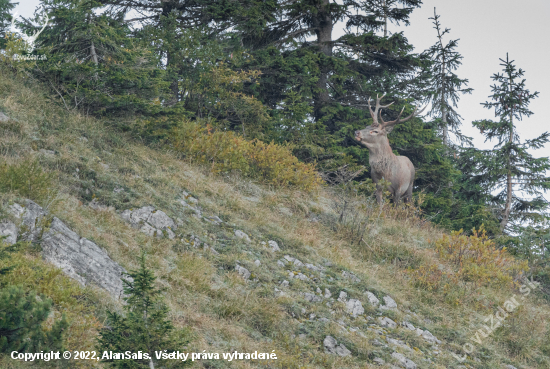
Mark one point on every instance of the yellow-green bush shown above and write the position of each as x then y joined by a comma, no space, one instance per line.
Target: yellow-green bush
477,258
226,151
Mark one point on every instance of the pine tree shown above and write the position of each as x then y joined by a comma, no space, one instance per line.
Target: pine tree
509,168
144,327
445,84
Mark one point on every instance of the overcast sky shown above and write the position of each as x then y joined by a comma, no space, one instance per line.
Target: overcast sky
487,30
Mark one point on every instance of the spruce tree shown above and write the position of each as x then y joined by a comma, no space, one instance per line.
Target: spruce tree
445,84
509,169
92,62
6,7
144,326
23,313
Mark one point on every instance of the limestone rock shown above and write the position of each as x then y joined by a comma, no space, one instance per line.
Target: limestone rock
31,218
150,221
242,271
430,337
331,346
389,303
274,246
387,322
242,235
403,361
372,298
343,296
354,307
408,326
8,230
81,259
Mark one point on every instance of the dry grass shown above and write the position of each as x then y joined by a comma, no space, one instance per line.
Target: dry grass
204,293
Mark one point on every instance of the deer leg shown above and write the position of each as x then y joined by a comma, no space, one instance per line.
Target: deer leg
379,196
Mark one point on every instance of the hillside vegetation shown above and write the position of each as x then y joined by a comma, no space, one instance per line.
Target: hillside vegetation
331,240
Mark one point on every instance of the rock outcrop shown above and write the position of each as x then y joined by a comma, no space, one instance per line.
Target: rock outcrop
77,257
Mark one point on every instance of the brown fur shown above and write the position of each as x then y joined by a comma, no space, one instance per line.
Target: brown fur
398,170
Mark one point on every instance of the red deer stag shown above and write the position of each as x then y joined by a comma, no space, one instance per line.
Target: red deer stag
384,164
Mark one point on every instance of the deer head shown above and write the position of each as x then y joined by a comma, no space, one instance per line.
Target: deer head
375,135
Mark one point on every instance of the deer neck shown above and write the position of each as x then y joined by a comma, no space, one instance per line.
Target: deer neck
380,156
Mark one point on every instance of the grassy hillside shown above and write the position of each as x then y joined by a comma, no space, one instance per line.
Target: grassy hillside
343,235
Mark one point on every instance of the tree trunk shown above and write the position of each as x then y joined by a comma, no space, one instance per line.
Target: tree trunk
385,20
508,206
93,53
323,28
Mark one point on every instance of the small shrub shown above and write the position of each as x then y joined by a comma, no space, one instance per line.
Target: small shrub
27,179
478,259
226,151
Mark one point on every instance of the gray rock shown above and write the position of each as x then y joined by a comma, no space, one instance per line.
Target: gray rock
214,219
331,346
8,230
327,293
372,298
242,271
343,296
408,326
81,259
387,322
389,303
257,262
274,245
354,307
242,235
160,220
280,263
418,331
31,219
150,221
312,267
3,117
294,261
351,276
430,337
403,361
285,283
508,366
285,211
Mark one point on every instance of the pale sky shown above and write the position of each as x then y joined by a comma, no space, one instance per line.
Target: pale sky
487,30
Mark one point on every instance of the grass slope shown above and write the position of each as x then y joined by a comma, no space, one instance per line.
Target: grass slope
225,313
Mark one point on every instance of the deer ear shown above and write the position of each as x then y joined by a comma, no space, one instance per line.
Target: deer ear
388,129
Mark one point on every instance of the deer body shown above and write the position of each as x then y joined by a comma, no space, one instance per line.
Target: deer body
398,170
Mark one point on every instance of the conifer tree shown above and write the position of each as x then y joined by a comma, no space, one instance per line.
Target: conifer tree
144,326
445,84
6,7
509,168
92,62
22,315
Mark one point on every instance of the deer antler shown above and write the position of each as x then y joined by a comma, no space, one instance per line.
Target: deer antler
399,120
374,114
